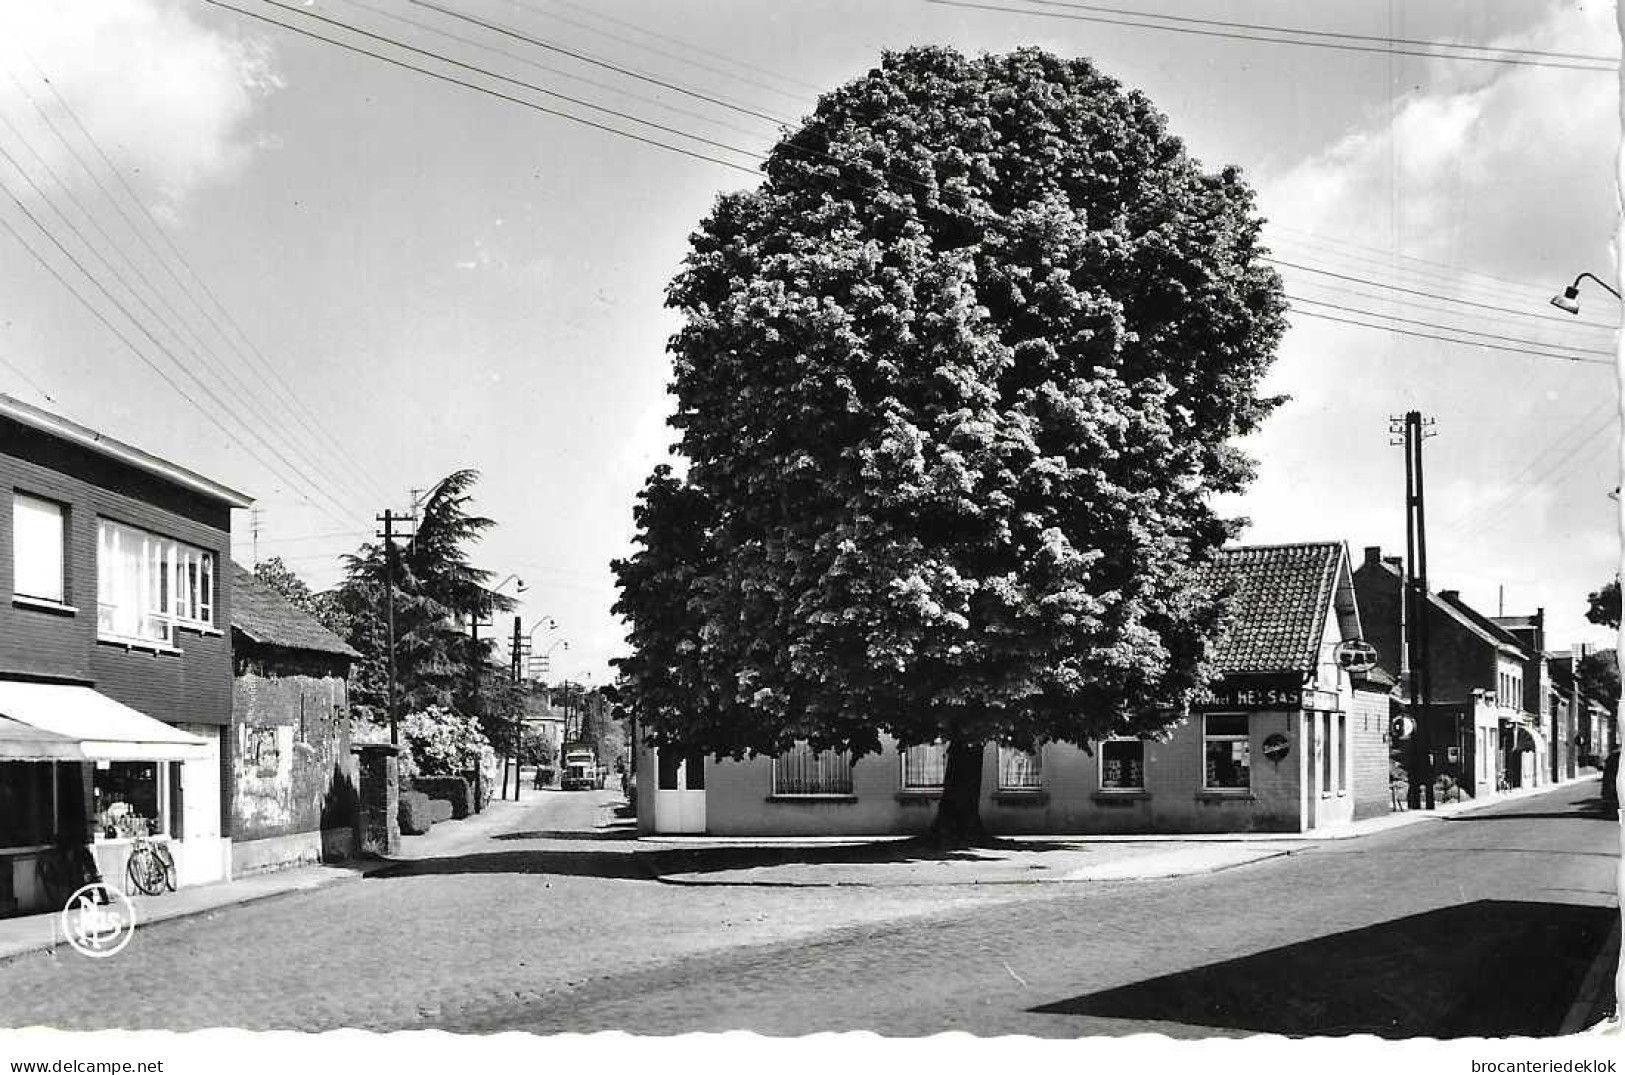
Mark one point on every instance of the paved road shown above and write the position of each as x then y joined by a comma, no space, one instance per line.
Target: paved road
1480,925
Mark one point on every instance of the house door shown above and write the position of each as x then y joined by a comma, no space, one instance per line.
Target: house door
679,791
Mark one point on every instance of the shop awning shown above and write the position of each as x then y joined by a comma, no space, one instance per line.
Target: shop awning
68,722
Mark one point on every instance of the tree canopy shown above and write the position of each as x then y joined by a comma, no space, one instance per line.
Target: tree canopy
1603,605
955,385
436,587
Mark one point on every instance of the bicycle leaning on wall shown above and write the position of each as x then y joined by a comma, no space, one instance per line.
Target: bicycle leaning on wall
151,868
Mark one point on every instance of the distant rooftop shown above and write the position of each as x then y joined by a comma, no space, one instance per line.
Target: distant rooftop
100,443
264,616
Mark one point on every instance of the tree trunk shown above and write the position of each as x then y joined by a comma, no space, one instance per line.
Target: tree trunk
959,811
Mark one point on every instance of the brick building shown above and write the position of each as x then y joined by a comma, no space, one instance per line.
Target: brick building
1488,679
115,667
1285,741
294,793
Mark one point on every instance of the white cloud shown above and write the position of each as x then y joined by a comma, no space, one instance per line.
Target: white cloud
1481,165
169,99
1501,170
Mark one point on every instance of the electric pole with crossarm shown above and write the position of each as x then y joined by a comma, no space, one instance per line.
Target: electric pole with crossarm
389,519
1413,430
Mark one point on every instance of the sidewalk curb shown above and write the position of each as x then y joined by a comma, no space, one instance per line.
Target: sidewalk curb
340,876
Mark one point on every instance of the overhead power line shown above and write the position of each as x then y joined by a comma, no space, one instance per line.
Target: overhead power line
597,62
1276,29
488,91
528,62
1238,35
1427,294
577,101
796,95
128,343
1451,328
174,324
265,371
1447,339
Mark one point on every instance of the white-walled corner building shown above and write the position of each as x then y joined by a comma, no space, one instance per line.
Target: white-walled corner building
1286,741
115,662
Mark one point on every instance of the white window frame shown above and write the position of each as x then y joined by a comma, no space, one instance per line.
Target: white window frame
174,585
1245,738
903,764
1010,752
1100,767
20,589
820,759
165,806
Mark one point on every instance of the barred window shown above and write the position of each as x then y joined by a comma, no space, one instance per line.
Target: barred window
1019,770
924,766
1122,765
801,770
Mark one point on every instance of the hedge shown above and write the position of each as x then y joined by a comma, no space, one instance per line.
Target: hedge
453,789
439,810
415,816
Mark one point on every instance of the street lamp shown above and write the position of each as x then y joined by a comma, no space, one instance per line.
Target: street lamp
1569,301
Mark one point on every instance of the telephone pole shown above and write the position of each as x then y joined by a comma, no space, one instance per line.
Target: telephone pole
389,519
1415,429
519,708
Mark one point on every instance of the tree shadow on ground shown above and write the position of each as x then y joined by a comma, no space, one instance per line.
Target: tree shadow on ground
652,864
1597,809
1491,968
617,832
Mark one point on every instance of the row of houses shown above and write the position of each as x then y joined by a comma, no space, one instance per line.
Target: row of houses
148,685
1288,740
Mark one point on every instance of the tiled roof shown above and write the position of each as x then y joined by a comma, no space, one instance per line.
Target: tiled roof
1476,621
262,615
1278,611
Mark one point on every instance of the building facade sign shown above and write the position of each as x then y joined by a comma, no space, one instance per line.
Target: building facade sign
1250,695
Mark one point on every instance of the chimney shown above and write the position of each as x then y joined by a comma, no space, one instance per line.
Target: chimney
1395,562
1453,596
1373,555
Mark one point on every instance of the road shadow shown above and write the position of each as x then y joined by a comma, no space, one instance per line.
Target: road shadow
615,858
1491,968
617,832
1595,809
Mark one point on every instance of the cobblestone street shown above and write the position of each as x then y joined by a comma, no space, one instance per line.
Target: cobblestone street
546,922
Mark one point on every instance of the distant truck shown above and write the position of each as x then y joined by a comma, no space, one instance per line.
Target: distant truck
581,770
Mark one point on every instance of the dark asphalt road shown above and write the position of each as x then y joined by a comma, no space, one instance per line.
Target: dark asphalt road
1482,925
543,921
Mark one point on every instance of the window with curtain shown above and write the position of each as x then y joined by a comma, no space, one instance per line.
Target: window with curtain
801,770
38,529
147,585
1122,765
1019,770
924,766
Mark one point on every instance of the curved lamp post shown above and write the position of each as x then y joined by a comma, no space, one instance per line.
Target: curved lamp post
1569,301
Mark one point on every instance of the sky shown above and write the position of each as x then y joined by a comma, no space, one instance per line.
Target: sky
329,281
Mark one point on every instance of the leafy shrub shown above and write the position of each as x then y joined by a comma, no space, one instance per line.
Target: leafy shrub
415,813
453,789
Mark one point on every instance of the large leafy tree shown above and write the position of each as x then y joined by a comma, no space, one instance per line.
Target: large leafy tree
436,587
955,386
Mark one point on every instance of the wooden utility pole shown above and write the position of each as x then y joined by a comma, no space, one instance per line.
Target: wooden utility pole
519,708
389,519
1415,430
